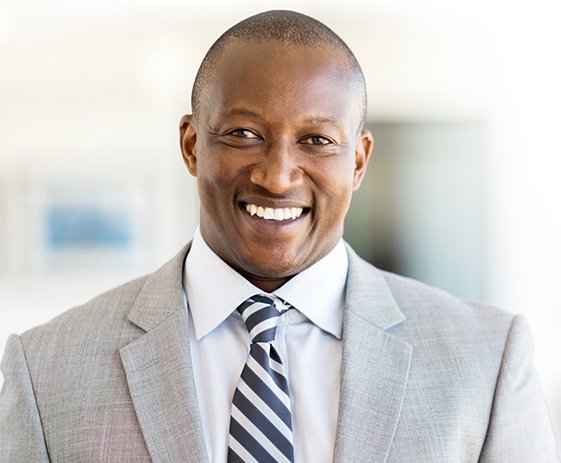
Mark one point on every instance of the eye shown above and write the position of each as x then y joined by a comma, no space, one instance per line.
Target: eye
244,133
317,140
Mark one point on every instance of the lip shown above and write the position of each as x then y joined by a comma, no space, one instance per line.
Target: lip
279,203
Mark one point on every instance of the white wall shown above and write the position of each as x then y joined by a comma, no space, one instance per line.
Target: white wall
524,119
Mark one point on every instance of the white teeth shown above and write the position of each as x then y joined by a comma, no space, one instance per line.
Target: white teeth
279,214
269,213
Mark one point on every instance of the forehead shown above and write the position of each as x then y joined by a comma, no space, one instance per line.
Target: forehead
273,52
281,76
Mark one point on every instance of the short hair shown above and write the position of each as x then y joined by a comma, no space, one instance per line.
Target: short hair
283,26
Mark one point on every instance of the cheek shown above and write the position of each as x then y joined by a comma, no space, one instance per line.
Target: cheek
212,175
341,205
338,181
334,195
221,165
210,190
217,184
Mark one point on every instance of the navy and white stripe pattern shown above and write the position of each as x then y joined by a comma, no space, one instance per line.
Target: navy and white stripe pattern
261,423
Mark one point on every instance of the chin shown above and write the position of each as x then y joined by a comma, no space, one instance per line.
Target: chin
273,271
274,268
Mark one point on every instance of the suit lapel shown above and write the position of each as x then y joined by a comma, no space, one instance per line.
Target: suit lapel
159,371
374,370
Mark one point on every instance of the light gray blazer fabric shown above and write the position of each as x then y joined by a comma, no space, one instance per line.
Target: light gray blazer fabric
425,378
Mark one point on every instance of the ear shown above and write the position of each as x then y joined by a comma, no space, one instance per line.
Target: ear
188,142
363,150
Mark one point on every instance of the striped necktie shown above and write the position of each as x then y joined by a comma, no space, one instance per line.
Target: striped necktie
260,422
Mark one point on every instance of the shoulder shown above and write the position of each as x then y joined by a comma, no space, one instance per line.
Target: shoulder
429,317
455,342
420,302
103,316
107,316
470,367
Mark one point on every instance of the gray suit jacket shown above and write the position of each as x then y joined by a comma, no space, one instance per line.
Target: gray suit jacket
425,378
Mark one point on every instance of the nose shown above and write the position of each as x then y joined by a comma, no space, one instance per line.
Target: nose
277,169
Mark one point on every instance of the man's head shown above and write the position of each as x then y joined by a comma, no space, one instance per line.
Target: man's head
276,141
287,27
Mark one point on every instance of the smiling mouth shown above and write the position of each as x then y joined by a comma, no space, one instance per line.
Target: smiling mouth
273,213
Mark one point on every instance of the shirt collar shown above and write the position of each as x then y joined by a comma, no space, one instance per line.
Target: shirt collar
318,292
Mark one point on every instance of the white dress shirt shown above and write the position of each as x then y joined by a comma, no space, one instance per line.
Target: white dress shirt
308,340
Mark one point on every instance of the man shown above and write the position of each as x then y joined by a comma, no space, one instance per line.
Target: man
348,364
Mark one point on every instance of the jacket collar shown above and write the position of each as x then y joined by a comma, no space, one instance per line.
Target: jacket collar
375,367
159,371
161,295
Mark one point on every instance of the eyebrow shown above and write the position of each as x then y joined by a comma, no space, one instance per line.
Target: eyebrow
308,120
241,112
321,120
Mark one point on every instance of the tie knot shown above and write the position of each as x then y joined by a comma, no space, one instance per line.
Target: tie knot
260,314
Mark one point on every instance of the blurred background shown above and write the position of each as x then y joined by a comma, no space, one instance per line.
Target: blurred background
463,191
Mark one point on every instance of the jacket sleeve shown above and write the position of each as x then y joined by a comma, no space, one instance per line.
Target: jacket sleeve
21,432
520,429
